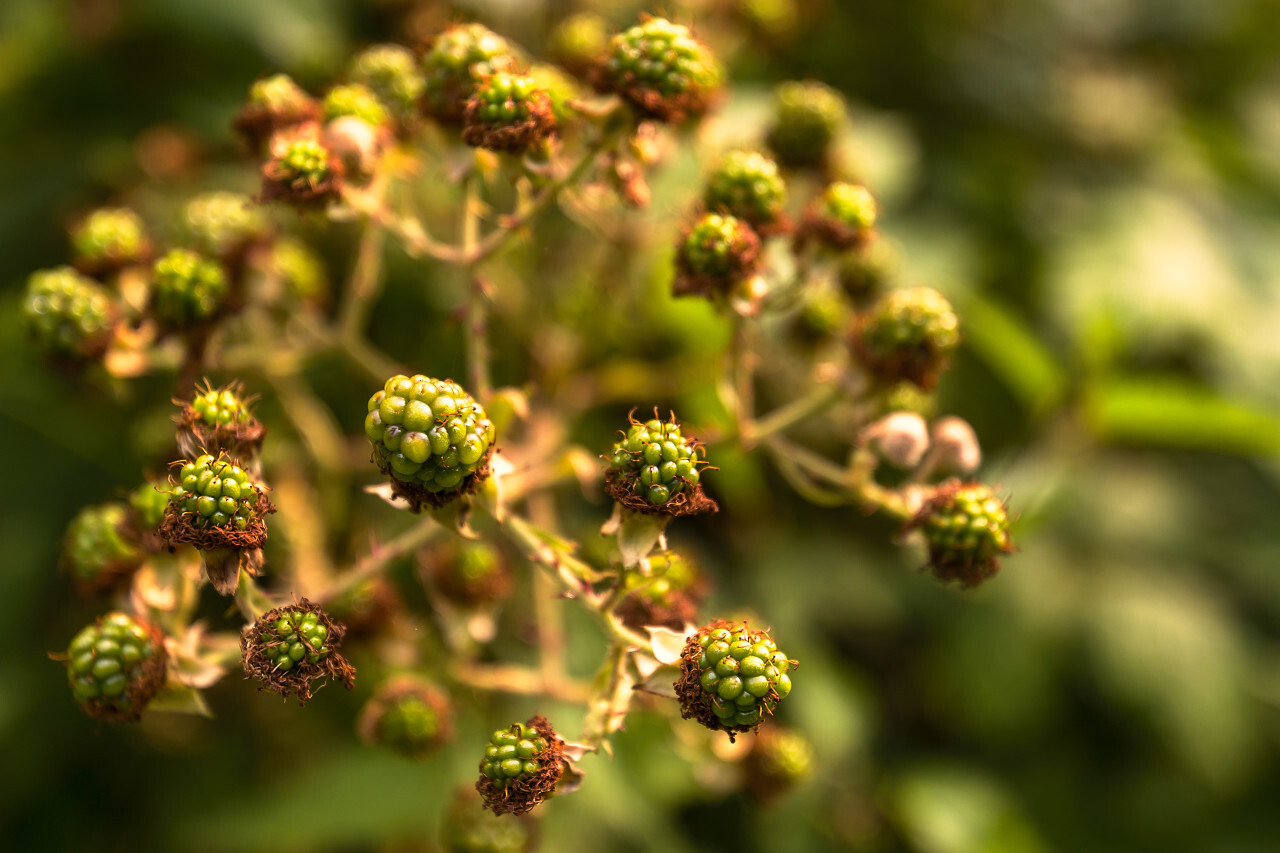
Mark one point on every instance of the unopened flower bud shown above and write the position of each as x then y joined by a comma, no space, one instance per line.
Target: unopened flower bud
900,438
956,445
356,143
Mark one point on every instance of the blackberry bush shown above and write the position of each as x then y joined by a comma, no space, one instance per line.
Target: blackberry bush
115,666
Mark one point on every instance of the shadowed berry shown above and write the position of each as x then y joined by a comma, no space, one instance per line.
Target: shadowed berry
779,759
667,595
662,70
807,117
187,289
865,269
108,239
115,666
654,469
458,60
468,827
508,112
97,547
148,503
407,716
908,334
966,527
844,216
67,314
300,270
274,104
391,72
715,254
223,224
521,766
746,184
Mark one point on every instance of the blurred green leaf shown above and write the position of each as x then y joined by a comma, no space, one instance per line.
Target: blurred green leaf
956,809
1014,352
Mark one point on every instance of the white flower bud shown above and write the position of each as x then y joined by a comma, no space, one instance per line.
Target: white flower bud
356,142
956,445
900,438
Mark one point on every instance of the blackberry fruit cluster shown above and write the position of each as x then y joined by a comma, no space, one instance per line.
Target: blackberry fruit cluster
301,170
521,766
746,185
508,112
459,59
97,548
391,72
115,666
807,117
714,255
274,104
69,315
908,334
654,470
732,677
110,238
187,289
843,217
408,717
290,648
662,70
216,493
966,526
224,224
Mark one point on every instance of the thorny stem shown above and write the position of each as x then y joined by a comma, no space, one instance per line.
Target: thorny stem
780,419
549,617
518,680
476,333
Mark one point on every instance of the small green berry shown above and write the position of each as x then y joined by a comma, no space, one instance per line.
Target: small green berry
521,766
290,648
966,526
844,216
187,289
407,716
391,73
301,169
908,334
653,469
746,184
459,59
807,117
223,224
115,666
148,503
96,547
215,492
68,314
110,238
662,70
732,676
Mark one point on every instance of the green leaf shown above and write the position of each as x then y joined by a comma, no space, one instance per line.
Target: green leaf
1001,339
1171,412
177,698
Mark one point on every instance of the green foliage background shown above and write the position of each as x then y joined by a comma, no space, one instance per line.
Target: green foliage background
1095,184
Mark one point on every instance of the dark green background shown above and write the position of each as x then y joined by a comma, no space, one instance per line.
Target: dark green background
1095,184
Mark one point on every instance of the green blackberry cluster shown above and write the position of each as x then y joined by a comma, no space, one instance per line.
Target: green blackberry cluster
68,314
148,503
459,59
391,72
513,753
279,94
221,224
667,595
215,493
732,677
300,169
807,117
843,216
304,161
966,527
908,334
508,112
428,434
716,253
655,463
293,637
274,103
115,666
662,70
668,573
220,407
354,99
109,238
746,184
187,289
409,718
96,548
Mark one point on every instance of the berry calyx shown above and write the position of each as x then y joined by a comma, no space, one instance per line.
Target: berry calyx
431,437
108,239
98,548
69,315
746,184
224,224
715,254
219,419
290,648
391,73
508,112
732,677
521,766
807,117
188,289
843,217
654,470
407,716
274,104
908,334
115,666
966,526
662,70
357,100
458,60
301,170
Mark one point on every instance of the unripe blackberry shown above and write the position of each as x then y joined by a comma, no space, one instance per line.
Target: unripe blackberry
187,289
578,42
98,548
508,112
468,827
807,116
467,574
224,224
715,254
301,170
458,60
865,269
654,470
908,334
115,666
823,315
966,527
290,648
110,238
732,677
216,493
407,716
843,217
668,595
354,99
148,502
302,272
560,88
431,437
69,315
274,104
746,184
662,70
779,759
521,766
391,72
219,419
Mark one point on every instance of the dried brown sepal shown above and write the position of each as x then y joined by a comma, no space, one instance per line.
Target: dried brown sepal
744,255
150,678
226,550
298,680
688,501
257,124
514,138
921,365
831,232
523,793
395,689
418,497
639,612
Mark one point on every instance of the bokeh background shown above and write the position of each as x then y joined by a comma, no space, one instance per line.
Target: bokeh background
1095,183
